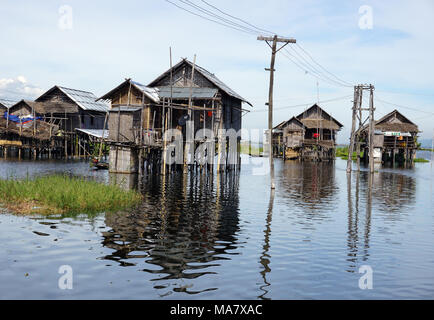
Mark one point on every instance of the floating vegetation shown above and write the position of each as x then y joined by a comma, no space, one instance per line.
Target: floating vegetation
59,194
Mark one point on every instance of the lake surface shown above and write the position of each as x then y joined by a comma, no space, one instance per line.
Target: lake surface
229,237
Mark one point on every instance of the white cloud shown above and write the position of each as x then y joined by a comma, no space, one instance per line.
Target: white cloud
18,88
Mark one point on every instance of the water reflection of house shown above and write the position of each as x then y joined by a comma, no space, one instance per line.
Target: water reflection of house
310,135
395,192
185,225
394,139
312,187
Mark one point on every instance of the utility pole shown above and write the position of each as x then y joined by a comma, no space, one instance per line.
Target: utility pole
371,128
355,134
353,129
275,39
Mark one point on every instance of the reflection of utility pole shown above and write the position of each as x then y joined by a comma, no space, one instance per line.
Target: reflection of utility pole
265,257
432,148
274,50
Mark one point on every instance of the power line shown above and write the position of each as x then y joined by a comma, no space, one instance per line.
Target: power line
310,56
303,104
209,19
250,28
214,15
404,107
239,19
307,69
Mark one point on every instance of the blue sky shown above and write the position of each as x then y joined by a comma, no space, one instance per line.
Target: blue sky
110,41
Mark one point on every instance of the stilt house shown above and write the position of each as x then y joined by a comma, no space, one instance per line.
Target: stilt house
310,135
394,138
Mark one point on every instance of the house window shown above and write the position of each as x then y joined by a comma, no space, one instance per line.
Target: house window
92,119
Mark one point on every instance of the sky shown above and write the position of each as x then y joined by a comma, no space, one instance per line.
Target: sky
95,45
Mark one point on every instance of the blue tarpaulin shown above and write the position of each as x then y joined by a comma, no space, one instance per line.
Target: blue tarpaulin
17,119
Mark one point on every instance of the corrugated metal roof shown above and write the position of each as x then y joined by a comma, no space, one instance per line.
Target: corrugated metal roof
151,93
125,109
86,100
95,132
7,103
184,93
210,76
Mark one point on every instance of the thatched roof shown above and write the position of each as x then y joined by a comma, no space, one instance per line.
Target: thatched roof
320,123
316,117
42,129
396,121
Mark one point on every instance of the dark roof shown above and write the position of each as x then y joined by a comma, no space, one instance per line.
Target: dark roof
320,122
29,103
84,99
283,124
395,121
208,75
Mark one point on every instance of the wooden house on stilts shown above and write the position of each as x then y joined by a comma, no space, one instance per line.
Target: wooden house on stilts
394,139
309,136
187,98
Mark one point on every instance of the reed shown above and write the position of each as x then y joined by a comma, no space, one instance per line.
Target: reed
342,152
249,149
63,194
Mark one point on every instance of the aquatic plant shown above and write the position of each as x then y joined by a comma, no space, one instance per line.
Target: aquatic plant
63,194
342,152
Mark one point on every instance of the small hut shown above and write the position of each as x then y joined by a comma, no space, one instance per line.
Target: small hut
310,135
293,133
394,138
133,105
73,108
22,108
277,136
134,114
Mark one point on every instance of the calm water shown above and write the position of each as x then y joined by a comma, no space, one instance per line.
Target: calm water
227,237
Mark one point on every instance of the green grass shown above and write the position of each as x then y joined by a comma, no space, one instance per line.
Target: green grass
248,149
342,152
420,160
63,194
